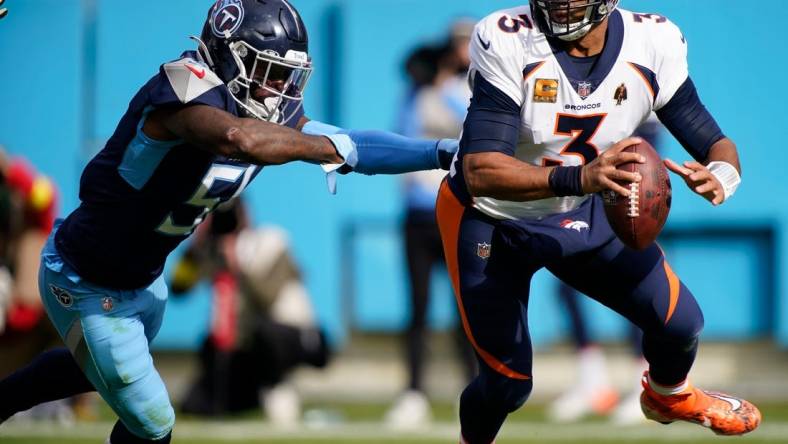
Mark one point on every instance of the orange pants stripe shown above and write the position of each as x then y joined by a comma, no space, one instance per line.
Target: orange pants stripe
449,212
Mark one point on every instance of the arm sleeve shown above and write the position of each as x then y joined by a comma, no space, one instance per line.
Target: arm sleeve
382,152
690,122
493,121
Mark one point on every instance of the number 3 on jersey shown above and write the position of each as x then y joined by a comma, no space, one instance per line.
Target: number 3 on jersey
581,129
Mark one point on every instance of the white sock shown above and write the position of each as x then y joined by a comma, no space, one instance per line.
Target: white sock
667,390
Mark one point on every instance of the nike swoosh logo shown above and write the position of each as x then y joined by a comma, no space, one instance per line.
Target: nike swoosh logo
486,46
200,73
735,403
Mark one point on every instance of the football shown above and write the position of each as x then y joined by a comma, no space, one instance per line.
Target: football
638,219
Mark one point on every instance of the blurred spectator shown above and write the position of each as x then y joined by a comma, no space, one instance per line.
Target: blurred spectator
28,206
263,323
592,392
434,107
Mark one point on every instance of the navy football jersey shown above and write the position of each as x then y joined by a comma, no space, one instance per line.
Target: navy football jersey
141,197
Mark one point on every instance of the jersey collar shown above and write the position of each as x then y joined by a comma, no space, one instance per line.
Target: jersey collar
613,43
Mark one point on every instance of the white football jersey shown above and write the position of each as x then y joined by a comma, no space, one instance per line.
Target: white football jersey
566,120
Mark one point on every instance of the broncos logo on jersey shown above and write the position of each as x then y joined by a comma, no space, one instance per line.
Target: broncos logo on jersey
577,225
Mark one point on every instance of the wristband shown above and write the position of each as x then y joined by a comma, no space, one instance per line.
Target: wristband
566,181
727,175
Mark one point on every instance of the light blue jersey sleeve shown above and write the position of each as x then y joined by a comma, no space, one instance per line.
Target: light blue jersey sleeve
382,152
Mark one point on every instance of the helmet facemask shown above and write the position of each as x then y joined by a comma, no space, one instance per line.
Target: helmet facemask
279,80
570,20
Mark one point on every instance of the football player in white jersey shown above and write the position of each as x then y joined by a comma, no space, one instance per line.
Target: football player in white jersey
558,88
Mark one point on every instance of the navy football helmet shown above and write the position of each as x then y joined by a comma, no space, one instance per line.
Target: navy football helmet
570,19
259,48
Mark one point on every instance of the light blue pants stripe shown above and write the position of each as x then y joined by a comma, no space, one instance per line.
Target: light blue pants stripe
108,332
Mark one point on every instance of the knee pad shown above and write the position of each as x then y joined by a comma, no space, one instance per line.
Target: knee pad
507,393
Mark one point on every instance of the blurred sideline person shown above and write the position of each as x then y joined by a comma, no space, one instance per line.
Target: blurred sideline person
547,127
263,323
28,206
593,391
435,108
193,137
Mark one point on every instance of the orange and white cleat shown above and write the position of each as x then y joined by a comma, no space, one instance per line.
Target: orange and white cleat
723,414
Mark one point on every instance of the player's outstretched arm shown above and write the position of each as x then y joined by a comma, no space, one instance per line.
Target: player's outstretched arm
252,140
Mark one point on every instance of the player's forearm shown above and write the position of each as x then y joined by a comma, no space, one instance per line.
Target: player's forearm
724,150
503,177
251,140
269,144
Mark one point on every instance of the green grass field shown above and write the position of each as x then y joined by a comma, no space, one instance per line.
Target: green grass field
358,424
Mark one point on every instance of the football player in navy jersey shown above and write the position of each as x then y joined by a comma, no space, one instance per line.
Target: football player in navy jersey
193,137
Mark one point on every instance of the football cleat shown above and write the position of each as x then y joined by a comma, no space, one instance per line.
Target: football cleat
723,414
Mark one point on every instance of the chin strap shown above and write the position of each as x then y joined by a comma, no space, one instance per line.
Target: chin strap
202,52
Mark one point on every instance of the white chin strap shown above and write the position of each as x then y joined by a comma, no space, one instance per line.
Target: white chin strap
268,110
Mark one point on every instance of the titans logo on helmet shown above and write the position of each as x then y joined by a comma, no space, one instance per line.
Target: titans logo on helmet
226,17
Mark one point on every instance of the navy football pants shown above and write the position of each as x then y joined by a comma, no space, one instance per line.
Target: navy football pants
491,263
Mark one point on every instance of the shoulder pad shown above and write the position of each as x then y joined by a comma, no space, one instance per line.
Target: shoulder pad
190,78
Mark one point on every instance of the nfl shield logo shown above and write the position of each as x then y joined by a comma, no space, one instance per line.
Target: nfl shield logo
483,250
107,304
584,89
